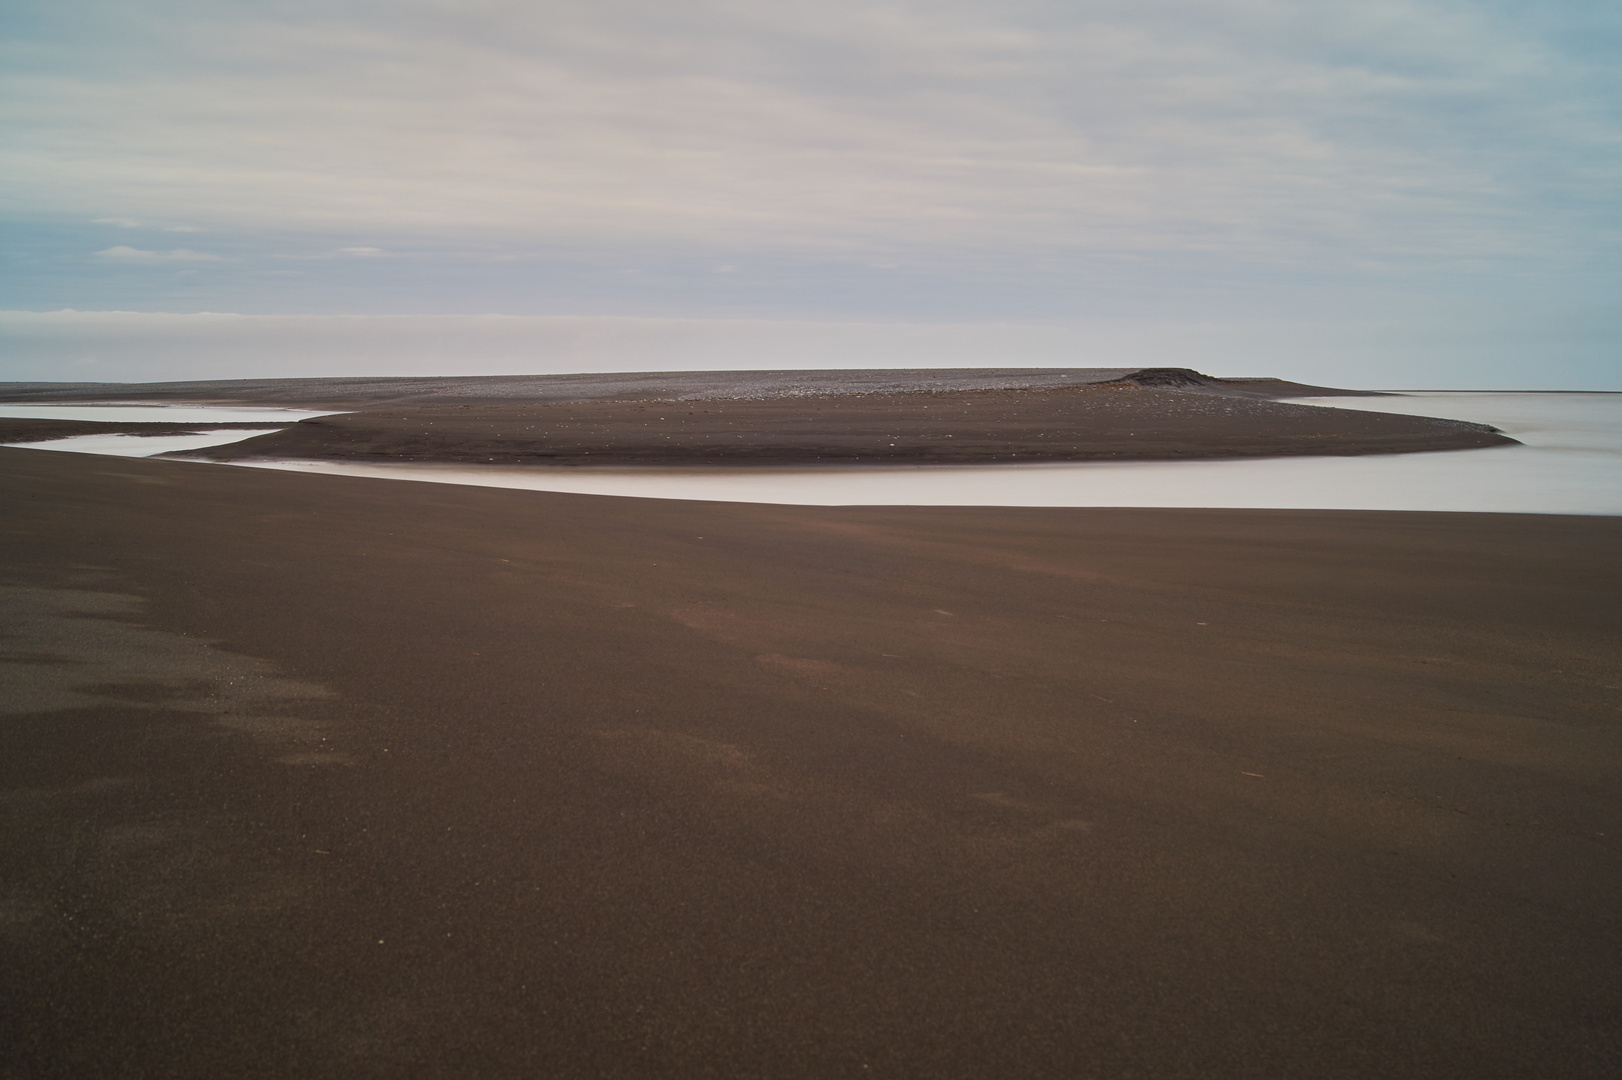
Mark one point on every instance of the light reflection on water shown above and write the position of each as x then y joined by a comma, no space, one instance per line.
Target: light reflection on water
143,445
1571,464
1551,421
148,445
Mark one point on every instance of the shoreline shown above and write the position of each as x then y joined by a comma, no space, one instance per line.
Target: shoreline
781,419
15,429
1109,422
435,779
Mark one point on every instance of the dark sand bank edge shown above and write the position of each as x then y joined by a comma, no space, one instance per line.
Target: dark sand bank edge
28,429
447,781
1117,421
779,419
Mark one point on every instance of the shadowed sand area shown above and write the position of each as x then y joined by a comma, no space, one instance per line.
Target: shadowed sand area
20,429
325,776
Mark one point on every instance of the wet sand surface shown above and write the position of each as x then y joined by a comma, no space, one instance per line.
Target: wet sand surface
324,776
1119,421
30,429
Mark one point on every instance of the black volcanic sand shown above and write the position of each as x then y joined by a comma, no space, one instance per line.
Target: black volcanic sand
1120,421
28,429
331,777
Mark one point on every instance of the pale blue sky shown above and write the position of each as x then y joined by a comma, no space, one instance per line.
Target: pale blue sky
1381,192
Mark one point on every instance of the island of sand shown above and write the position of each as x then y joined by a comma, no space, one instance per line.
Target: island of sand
790,418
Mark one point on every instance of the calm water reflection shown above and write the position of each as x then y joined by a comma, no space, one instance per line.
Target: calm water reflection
144,445
1571,464
148,445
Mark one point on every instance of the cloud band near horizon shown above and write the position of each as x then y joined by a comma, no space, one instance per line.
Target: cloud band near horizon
1030,160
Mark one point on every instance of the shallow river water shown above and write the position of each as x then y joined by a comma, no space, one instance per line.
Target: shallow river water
149,445
1571,463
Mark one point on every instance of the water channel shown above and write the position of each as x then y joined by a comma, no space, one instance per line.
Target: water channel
1570,463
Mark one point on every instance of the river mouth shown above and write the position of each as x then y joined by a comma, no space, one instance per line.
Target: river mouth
125,445
139,429
1570,463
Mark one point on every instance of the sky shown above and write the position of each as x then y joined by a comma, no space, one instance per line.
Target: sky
1381,193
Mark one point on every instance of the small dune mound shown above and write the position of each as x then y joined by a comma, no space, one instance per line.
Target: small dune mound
1172,377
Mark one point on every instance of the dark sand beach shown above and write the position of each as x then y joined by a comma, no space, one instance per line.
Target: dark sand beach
325,776
31,429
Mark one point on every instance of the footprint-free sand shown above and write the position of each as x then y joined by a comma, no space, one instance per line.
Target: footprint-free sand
326,776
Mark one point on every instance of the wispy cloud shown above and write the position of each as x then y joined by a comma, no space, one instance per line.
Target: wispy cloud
126,345
938,158
339,253
1389,129
121,253
132,223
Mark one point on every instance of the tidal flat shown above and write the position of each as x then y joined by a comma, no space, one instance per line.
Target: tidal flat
334,776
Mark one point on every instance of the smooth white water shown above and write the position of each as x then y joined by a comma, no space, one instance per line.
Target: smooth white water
144,445
1548,421
148,445
1571,464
